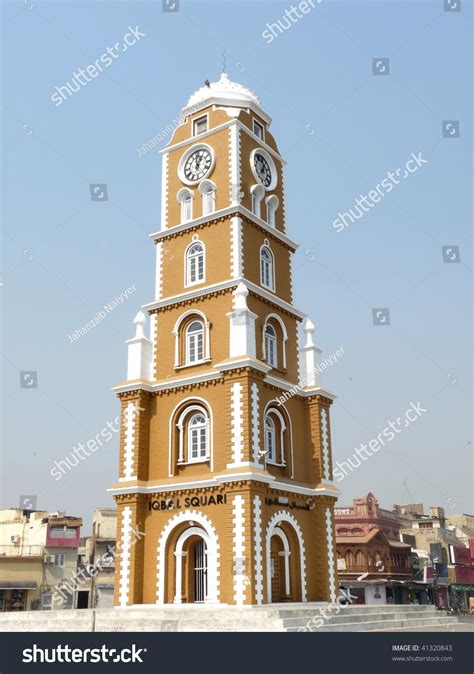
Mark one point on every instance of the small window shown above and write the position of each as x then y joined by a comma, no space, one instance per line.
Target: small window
200,125
266,267
258,129
195,264
186,209
59,560
197,440
255,205
195,343
270,439
270,345
208,200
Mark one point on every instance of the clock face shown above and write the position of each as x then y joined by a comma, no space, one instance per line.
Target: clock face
197,165
262,169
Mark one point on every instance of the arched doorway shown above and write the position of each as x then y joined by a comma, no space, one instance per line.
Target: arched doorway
280,566
286,573
188,561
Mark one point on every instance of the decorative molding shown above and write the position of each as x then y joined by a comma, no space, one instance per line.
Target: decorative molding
159,271
126,544
129,446
255,423
325,443
236,248
324,489
234,164
164,192
236,414
257,522
330,551
238,521
224,214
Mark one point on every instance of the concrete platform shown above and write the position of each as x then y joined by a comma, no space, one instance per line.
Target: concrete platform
201,618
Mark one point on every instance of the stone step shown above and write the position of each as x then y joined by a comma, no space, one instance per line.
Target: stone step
376,625
361,617
358,611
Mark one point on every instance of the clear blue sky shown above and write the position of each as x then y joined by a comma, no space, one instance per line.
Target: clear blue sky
341,129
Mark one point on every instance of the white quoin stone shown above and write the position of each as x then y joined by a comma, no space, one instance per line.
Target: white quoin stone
309,357
242,325
140,352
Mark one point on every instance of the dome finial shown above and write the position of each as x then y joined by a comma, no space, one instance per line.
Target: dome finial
224,63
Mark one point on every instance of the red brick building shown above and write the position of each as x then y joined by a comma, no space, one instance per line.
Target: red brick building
372,561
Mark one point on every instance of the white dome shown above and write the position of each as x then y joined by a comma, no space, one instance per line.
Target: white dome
225,89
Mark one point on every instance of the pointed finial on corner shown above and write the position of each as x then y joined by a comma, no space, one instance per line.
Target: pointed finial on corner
308,328
240,295
140,321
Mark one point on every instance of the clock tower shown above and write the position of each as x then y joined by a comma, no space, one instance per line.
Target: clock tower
225,491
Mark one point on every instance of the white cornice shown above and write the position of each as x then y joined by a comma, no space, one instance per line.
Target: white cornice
167,383
243,362
323,489
224,285
222,213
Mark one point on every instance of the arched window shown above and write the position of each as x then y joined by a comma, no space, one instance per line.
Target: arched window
208,191
194,342
272,205
195,263
274,440
197,437
266,267
359,558
194,429
185,198
257,193
270,439
271,353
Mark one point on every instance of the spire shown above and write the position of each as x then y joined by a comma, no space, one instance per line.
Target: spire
139,351
140,321
309,357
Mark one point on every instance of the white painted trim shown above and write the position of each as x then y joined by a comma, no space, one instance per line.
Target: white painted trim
236,247
270,406
325,442
164,192
129,445
222,213
237,420
234,165
159,271
257,521
331,561
324,489
255,409
126,544
238,521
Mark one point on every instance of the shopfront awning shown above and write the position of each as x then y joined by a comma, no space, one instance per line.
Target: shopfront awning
17,584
